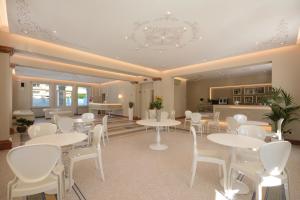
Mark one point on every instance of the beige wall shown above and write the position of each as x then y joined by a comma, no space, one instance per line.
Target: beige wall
126,89
180,92
22,96
200,89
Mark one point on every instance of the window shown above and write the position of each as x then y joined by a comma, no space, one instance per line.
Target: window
82,96
40,95
63,95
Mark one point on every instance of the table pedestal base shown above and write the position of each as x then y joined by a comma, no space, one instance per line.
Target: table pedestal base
238,186
158,147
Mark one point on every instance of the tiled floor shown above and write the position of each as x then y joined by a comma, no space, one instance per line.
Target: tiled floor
134,172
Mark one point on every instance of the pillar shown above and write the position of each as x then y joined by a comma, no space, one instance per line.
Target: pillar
6,97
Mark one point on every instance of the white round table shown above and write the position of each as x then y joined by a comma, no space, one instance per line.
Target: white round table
154,123
236,141
255,123
63,139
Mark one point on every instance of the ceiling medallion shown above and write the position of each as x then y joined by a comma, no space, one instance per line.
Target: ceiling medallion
163,33
27,26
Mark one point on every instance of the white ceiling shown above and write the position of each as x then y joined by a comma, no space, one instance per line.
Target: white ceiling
224,28
232,72
32,72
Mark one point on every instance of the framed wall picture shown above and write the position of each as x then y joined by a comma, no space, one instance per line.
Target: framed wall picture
260,90
237,91
249,91
259,99
248,99
237,99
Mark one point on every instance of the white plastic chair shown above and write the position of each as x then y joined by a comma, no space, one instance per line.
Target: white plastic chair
92,152
65,124
105,129
41,129
270,171
152,114
279,128
214,123
208,157
240,118
164,115
187,118
173,117
196,122
232,125
37,169
88,116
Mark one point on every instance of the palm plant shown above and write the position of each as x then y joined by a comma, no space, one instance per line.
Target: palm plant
282,106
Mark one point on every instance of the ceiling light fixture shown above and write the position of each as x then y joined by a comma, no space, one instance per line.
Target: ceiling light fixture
163,33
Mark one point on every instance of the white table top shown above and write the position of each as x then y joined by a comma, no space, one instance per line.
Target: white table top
63,139
153,122
80,120
256,123
232,140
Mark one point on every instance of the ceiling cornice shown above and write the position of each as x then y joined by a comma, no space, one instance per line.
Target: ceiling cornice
58,51
23,60
46,80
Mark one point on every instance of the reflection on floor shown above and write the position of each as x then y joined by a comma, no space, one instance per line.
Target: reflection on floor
133,171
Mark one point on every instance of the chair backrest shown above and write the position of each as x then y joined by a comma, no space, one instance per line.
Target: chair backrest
65,124
41,129
55,118
216,116
152,114
146,114
104,120
279,128
195,118
252,131
274,156
87,116
240,118
232,125
194,138
188,114
97,133
172,115
164,115
33,163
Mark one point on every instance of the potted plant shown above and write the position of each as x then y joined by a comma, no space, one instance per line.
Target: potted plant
283,107
130,110
157,104
22,125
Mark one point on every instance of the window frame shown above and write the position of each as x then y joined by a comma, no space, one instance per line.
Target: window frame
49,92
87,96
65,99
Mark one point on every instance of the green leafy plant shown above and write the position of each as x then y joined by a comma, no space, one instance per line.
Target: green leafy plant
157,103
130,104
151,106
22,124
282,106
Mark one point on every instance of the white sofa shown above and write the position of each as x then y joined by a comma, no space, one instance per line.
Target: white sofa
25,114
48,110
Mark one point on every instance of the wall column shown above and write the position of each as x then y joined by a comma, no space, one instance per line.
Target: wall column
6,97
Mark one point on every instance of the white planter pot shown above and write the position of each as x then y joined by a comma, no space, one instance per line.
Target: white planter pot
130,114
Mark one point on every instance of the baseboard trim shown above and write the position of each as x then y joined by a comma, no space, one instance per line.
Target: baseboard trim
5,144
294,142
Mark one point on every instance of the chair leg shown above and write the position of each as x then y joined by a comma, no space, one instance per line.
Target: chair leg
103,139
225,177
259,192
106,133
99,161
71,174
9,197
194,168
286,191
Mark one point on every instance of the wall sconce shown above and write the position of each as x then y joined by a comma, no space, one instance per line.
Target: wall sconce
14,71
120,96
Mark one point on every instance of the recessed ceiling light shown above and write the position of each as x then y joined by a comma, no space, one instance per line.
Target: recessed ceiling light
126,37
200,38
168,13
176,45
54,32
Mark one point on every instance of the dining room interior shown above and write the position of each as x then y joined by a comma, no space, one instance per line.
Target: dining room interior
149,100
